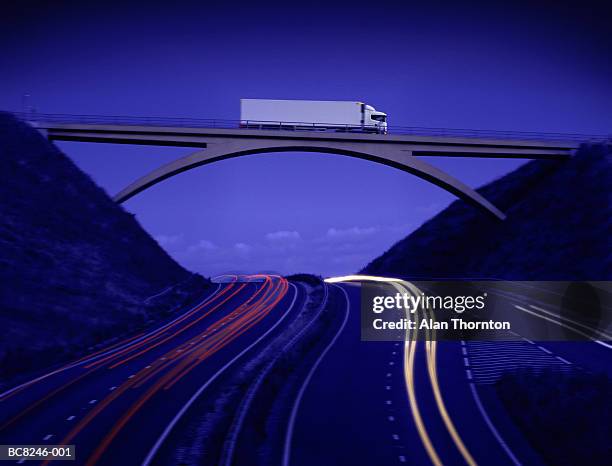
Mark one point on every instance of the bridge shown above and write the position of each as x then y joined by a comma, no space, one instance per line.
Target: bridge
217,140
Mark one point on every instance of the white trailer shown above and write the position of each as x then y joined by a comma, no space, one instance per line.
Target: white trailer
315,115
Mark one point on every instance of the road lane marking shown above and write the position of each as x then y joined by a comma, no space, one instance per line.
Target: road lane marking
47,437
296,404
227,455
196,395
391,418
168,378
603,334
410,347
70,418
563,360
92,401
561,324
544,349
491,426
107,351
112,388
402,459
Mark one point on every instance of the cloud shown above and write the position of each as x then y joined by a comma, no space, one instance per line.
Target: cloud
242,247
335,251
351,232
283,235
202,245
167,240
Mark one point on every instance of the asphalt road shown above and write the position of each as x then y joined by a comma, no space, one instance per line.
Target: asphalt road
387,403
115,405
345,402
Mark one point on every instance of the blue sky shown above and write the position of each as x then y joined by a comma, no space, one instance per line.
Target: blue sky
522,66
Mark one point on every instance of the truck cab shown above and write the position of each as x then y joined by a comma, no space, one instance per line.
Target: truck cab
373,120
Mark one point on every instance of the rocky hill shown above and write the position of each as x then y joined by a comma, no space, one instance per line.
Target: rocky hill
75,268
559,227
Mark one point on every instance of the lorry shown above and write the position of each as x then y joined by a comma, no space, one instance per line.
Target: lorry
313,115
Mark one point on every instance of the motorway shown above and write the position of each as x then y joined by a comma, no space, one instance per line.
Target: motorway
114,405
339,401
423,402
385,409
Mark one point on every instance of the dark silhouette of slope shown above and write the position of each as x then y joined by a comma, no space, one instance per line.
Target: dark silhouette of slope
75,268
559,227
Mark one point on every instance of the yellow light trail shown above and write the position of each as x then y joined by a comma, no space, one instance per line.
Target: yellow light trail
410,347
362,278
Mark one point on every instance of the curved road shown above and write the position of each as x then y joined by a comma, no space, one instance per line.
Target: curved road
343,402
114,404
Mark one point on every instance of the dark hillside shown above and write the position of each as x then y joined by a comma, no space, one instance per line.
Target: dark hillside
559,227
75,268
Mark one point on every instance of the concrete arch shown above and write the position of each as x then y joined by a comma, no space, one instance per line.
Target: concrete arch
384,154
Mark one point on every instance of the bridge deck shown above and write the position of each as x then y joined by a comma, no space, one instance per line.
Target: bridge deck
222,139
200,133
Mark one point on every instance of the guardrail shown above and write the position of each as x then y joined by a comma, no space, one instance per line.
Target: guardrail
59,118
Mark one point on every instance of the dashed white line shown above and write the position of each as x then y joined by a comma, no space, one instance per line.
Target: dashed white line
112,388
402,459
389,402
569,327
395,437
466,362
469,374
391,418
463,351
100,355
562,360
70,418
545,350
180,413
47,437
92,401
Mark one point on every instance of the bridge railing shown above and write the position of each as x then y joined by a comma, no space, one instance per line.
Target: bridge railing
58,118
